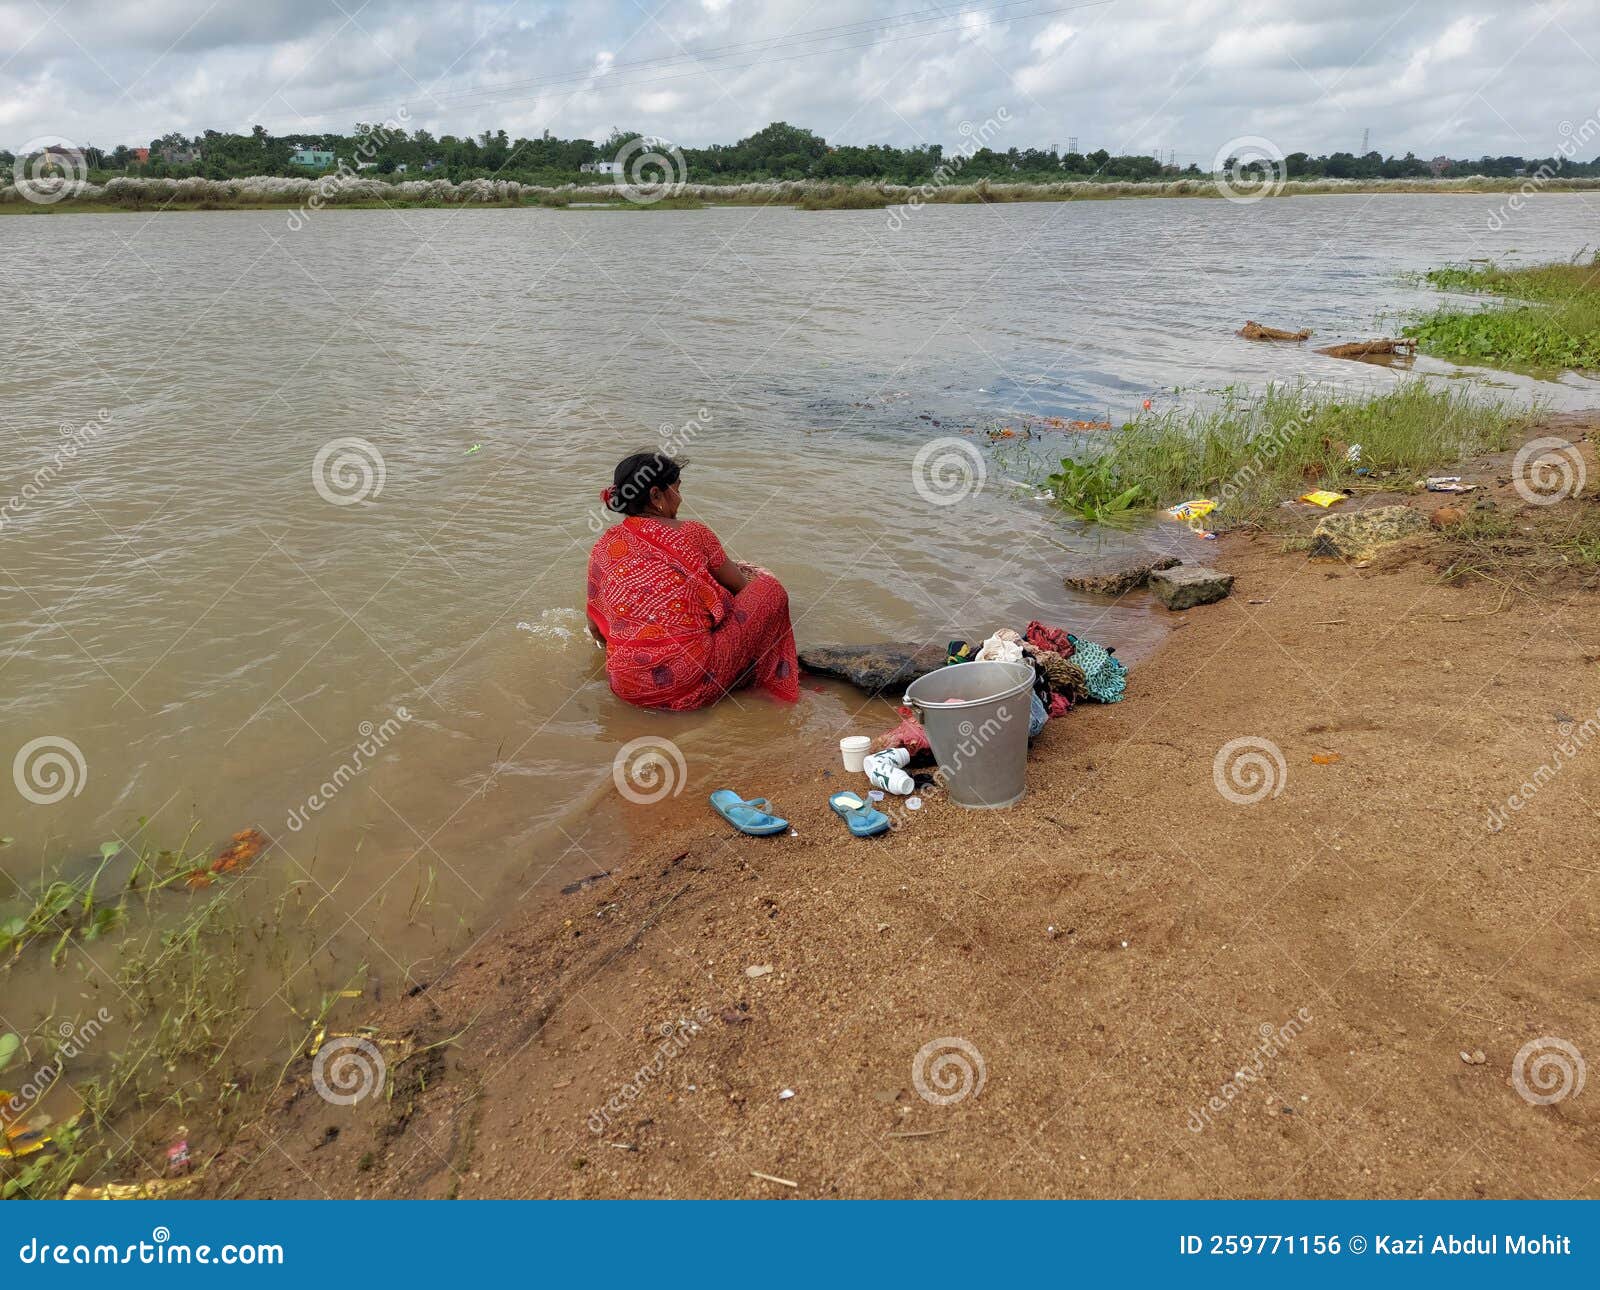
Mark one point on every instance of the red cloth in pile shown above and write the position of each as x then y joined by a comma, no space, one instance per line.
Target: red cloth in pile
909,735
1045,637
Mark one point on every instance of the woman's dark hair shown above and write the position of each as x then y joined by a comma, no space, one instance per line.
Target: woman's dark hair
635,476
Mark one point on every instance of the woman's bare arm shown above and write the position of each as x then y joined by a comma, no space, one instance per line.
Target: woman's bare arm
731,576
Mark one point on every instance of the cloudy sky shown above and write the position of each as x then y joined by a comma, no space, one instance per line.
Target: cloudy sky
1431,76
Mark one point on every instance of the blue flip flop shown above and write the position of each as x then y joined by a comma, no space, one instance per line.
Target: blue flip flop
865,820
747,817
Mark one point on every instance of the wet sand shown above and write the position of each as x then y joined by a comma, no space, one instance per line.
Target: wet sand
1129,985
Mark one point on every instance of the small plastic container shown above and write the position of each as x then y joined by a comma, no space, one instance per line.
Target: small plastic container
854,749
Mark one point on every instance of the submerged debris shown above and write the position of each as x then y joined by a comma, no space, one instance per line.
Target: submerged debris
1255,331
1370,348
245,846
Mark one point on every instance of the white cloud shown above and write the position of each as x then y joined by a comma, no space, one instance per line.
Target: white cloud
1180,74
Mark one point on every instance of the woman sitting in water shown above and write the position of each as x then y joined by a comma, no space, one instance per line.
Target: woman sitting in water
682,624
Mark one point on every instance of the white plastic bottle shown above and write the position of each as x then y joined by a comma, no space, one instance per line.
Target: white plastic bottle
885,770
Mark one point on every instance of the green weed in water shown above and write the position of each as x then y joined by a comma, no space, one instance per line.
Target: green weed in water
1549,316
1094,490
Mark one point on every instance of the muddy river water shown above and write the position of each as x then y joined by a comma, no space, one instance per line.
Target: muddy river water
331,490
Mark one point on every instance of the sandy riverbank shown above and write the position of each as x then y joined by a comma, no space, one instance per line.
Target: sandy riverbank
1366,914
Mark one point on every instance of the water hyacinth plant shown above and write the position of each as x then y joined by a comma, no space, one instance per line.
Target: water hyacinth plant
1548,315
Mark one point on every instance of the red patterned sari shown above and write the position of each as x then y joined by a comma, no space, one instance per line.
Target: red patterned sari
676,637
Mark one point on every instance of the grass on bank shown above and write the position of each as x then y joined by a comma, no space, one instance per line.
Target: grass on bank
1549,315
263,192
847,198
179,1038
1522,550
1251,452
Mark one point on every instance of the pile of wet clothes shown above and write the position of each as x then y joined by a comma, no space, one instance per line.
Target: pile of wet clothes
1067,670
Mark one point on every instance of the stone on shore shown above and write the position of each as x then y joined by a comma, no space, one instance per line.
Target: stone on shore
1118,574
1188,586
1357,535
887,665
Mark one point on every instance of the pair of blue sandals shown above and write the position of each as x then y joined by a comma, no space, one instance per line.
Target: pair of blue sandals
752,817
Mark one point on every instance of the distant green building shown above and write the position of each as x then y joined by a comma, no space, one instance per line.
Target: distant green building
315,158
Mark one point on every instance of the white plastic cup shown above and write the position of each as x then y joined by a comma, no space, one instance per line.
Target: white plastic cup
854,749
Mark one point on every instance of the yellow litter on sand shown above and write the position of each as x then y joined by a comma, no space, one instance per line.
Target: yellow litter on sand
1193,510
1322,497
155,1189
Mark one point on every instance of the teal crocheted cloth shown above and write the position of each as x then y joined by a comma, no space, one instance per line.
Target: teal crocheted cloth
1104,677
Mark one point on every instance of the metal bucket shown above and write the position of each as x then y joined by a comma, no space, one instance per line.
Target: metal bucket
976,716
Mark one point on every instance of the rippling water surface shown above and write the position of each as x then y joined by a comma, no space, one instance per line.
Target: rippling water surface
215,634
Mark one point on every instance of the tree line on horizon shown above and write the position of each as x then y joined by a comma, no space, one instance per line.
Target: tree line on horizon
777,152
